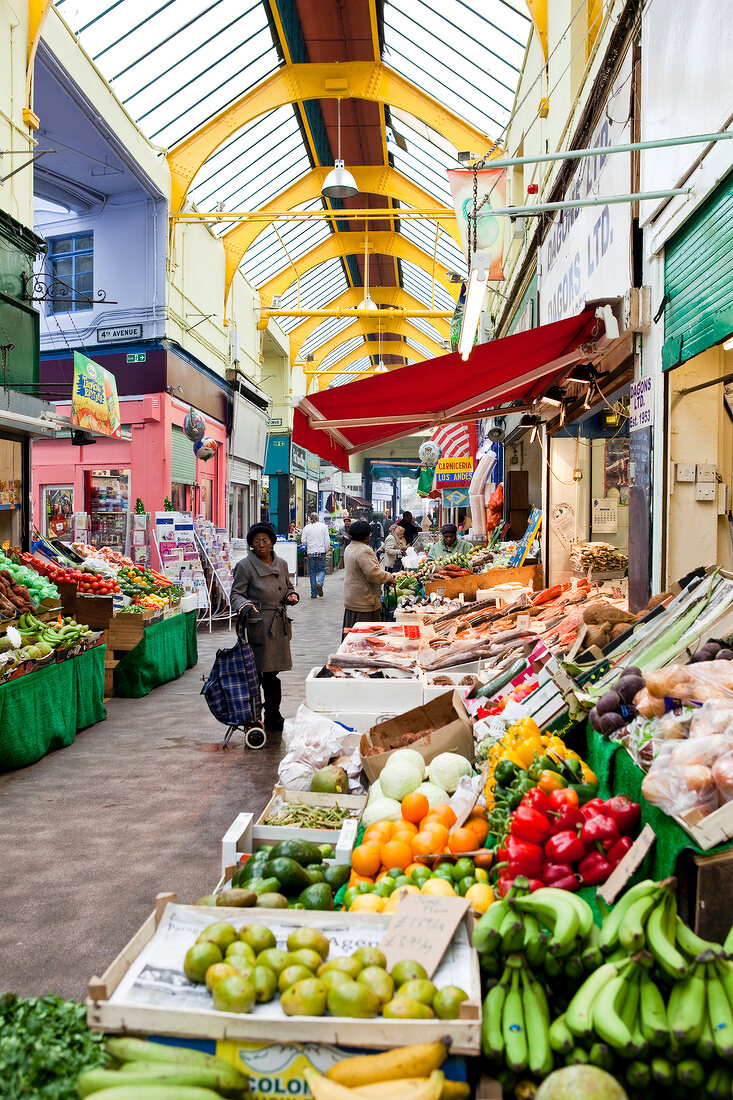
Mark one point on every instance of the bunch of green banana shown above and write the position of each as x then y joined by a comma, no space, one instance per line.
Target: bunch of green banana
516,1022
553,928
69,634
154,1071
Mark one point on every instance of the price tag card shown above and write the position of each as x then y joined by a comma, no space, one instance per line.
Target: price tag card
421,929
441,590
523,622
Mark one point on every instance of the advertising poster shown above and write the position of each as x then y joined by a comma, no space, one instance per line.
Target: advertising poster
94,404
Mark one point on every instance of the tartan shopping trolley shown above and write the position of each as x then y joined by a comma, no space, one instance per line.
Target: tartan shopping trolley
232,692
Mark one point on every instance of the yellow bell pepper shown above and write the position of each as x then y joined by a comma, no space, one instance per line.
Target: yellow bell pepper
525,727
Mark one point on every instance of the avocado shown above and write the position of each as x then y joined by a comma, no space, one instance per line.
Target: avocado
253,868
292,877
336,875
264,886
315,872
317,896
302,851
236,897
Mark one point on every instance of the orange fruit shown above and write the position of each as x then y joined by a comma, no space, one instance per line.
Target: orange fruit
403,836
424,844
444,815
379,833
396,853
462,840
367,903
355,879
366,859
414,807
439,833
404,826
479,826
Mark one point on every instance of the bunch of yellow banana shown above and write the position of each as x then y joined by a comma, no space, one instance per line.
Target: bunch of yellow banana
406,1073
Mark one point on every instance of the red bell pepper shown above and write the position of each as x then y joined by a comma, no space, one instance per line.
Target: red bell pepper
537,800
565,847
530,825
522,857
593,808
567,819
599,832
563,797
560,875
625,813
617,852
594,869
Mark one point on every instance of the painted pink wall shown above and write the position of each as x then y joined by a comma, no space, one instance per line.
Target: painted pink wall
147,455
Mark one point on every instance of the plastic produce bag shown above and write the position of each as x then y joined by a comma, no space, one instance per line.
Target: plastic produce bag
681,778
714,716
410,559
312,741
692,683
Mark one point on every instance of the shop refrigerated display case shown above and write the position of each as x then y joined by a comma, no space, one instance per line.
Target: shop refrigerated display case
107,500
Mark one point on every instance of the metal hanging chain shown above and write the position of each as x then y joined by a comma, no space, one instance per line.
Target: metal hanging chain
475,209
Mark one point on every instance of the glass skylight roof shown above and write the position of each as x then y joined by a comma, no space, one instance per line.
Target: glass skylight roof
174,64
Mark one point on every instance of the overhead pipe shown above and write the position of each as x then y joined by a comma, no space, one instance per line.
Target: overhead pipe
605,150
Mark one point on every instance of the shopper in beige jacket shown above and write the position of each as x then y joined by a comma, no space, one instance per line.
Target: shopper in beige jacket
363,580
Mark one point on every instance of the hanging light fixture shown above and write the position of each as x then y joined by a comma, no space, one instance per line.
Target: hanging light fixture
477,284
367,301
339,183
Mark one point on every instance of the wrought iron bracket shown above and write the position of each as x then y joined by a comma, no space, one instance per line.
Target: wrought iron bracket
45,287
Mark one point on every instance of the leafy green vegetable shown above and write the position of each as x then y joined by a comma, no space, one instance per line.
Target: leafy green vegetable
44,1046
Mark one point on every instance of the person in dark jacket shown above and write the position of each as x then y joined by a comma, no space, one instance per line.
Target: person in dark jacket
363,580
262,590
410,528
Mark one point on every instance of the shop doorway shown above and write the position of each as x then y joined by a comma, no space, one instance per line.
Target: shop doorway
57,502
13,498
206,497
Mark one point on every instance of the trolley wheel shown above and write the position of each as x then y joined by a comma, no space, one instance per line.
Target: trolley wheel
255,737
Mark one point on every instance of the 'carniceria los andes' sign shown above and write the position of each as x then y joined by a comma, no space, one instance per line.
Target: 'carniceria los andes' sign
586,253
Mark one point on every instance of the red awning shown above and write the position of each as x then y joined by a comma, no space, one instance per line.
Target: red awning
508,374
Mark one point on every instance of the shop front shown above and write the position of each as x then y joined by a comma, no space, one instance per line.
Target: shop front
293,474
697,360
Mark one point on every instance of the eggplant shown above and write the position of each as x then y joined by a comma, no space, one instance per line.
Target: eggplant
724,655
610,723
595,720
630,685
608,702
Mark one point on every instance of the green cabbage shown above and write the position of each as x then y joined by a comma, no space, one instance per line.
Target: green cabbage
408,756
399,779
381,809
435,795
447,768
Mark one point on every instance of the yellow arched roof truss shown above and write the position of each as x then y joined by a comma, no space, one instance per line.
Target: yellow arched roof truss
370,347
381,295
339,245
369,80
358,327
371,180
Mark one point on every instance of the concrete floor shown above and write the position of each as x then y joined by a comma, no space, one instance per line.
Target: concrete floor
137,805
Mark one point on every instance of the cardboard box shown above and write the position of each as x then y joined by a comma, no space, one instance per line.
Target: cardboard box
446,715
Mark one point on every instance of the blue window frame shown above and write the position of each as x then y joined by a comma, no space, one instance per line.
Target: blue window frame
72,270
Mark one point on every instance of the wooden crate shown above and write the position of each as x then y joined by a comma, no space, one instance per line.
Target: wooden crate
243,837
353,802
469,586
705,894
125,631
95,611
104,1014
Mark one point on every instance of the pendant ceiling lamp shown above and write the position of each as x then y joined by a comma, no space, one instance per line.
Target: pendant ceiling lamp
339,183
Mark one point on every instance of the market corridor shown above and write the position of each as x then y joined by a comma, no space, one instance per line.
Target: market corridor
138,804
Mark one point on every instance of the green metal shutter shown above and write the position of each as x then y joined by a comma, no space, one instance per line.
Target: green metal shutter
698,280
183,460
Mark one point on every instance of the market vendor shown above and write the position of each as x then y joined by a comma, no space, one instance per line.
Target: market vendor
363,580
262,588
448,543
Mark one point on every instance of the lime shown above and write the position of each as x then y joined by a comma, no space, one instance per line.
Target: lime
384,887
444,871
349,896
466,884
364,887
462,868
198,960
395,872
402,880
421,874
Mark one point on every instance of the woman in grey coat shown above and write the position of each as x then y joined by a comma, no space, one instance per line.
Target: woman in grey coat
262,588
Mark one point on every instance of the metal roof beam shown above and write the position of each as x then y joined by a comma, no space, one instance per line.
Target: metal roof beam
358,327
369,80
369,347
382,295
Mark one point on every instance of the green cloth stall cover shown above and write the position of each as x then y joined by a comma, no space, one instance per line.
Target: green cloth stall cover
164,653
43,710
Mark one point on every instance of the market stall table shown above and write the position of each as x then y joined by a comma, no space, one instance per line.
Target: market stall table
166,650
44,710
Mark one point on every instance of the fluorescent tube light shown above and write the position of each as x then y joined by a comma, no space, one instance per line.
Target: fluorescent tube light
477,283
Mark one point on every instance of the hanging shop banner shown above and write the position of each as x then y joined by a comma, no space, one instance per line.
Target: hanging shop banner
298,460
94,404
454,472
586,253
641,404
455,498
491,185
